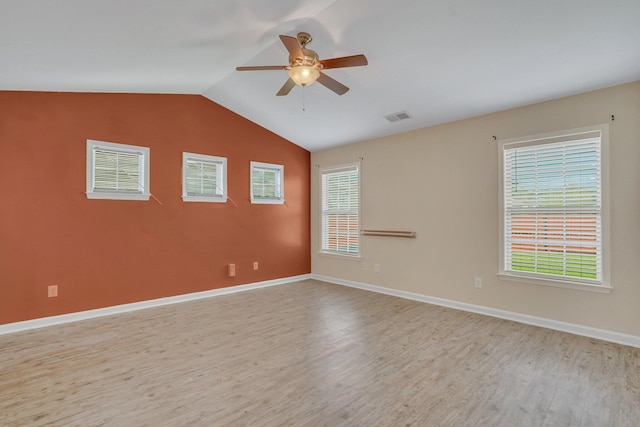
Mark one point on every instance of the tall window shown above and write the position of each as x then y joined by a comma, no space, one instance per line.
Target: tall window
204,178
117,171
340,204
267,183
553,215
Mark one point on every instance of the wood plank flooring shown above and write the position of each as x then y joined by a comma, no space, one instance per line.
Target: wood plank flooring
313,354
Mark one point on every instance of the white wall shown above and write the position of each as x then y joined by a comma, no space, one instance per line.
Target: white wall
442,182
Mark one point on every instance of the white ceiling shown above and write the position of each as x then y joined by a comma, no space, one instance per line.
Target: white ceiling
440,60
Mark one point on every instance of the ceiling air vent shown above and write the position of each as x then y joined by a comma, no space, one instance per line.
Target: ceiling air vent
396,117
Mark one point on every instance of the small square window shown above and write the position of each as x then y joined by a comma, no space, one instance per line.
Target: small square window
267,183
204,178
117,171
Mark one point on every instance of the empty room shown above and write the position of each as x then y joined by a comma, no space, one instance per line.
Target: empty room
320,213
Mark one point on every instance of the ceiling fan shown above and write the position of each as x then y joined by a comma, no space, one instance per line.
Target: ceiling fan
305,67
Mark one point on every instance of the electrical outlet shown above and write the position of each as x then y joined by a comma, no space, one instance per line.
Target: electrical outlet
477,282
52,291
255,265
376,268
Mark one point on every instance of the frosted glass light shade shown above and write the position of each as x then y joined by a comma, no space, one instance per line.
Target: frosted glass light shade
304,75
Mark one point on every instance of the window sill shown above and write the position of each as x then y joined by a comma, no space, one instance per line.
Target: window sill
204,199
603,289
117,196
340,256
267,201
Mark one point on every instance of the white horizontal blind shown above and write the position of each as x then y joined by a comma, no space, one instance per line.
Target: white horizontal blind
340,194
203,178
265,182
117,171
553,208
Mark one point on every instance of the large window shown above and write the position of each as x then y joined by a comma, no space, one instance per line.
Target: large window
340,204
117,171
204,178
267,183
554,210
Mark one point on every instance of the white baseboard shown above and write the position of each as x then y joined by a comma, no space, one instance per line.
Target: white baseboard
601,334
616,337
125,308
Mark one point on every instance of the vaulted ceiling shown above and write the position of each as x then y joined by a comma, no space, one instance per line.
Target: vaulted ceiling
438,60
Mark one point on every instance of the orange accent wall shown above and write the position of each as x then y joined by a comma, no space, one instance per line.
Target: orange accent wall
102,253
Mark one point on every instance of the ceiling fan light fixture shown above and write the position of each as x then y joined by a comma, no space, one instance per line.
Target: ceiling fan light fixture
304,75
305,67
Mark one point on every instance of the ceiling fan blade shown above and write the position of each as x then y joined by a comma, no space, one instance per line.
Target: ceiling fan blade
262,67
332,84
345,61
291,43
286,88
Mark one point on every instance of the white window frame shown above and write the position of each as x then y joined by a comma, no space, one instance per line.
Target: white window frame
221,178
143,172
279,199
324,249
603,284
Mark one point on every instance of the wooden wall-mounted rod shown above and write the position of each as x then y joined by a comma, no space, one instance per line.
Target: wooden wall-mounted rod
389,233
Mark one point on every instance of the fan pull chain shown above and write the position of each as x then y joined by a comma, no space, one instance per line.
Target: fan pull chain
303,109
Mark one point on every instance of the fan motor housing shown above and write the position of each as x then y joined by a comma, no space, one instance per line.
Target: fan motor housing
310,58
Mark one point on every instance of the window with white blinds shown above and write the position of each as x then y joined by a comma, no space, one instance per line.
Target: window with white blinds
552,207
340,204
117,171
267,183
204,178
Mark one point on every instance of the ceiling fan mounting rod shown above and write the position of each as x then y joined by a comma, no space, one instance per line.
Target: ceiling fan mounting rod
304,39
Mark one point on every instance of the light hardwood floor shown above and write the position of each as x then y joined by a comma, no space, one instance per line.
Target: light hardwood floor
313,354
